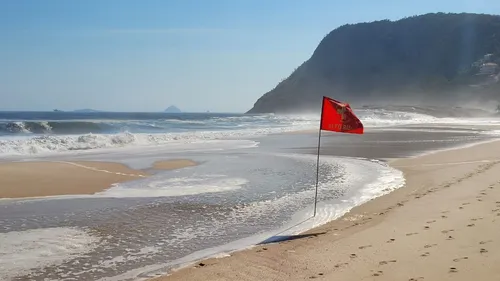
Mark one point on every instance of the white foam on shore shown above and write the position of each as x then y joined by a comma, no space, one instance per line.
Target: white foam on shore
130,256
155,187
168,187
387,180
21,252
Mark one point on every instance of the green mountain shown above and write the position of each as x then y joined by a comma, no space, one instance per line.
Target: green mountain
428,59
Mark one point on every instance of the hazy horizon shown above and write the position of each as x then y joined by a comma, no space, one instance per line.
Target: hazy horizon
128,57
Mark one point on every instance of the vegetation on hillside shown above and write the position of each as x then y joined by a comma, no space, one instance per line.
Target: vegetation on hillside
429,58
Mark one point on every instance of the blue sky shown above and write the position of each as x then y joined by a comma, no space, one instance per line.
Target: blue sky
217,55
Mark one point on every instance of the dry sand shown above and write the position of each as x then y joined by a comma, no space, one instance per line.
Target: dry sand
34,179
443,225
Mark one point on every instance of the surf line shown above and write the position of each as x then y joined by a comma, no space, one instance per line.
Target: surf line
447,163
98,170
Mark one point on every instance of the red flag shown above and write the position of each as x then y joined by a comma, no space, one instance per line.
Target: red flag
338,117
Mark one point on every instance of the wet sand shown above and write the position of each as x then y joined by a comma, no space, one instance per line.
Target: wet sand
173,164
443,225
35,179
391,143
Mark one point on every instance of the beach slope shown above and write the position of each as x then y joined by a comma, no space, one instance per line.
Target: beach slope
443,225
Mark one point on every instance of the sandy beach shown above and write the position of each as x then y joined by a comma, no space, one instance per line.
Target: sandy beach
443,225
34,179
173,164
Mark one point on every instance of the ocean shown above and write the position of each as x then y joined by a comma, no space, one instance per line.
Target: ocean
254,183
36,133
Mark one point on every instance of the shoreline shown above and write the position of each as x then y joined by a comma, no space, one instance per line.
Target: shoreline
456,160
39,179
439,150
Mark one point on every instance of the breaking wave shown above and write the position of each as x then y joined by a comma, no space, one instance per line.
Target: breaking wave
52,143
381,118
370,117
29,137
76,127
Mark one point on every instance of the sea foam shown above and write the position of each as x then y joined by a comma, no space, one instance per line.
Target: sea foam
23,251
140,133
168,187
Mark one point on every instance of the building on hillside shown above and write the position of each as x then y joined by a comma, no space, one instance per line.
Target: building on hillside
488,57
489,68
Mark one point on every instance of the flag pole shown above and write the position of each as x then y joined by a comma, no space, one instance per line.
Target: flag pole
317,160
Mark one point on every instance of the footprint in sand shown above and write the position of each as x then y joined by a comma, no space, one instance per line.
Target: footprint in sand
482,251
476,219
470,225
391,240
459,259
313,277
430,246
450,238
460,208
364,247
338,265
466,203
353,256
410,234
416,279
453,270
378,273
432,221
495,210
447,230
387,262
425,254
427,227
485,242
483,193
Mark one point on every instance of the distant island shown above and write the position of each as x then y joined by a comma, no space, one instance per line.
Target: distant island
438,59
172,109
